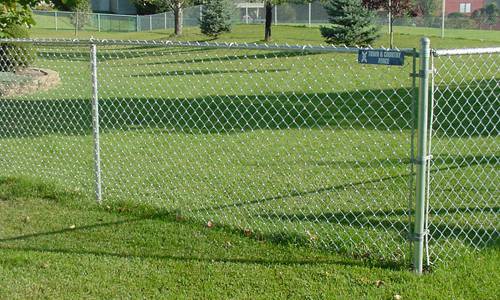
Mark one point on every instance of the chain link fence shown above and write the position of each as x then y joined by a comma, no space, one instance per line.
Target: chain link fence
464,174
291,144
313,14
102,22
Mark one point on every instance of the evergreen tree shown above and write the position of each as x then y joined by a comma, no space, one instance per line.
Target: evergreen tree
352,23
216,17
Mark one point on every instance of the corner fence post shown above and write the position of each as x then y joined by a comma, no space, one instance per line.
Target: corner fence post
95,123
422,156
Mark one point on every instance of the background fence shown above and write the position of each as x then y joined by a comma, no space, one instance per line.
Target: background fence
294,145
60,20
307,14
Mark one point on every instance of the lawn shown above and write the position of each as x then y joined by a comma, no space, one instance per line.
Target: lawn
306,152
55,244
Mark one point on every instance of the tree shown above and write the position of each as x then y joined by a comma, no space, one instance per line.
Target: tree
216,17
268,7
15,12
15,18
487,15
176,6
425,8
353,24
396,8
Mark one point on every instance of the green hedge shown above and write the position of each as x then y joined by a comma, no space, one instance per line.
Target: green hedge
15,56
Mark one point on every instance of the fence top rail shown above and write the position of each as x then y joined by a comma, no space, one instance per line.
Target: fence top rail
62,12
465,51
167,43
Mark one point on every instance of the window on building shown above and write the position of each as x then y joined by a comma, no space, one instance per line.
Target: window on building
465,7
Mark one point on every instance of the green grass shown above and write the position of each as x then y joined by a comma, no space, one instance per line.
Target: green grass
54,243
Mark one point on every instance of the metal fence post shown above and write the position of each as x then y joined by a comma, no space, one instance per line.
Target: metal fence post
95,124
422,156
55,17
99,22
443,13
276,14
309,16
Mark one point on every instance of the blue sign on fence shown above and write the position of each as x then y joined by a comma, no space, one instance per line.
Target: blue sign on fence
381,57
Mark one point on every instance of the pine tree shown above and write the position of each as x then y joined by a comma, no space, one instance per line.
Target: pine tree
216,17
352,23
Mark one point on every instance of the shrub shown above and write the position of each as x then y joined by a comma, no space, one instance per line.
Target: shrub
81,16
216,18
15,56
352,23
455,15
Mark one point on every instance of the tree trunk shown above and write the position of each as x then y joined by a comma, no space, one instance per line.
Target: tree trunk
178,19
269,21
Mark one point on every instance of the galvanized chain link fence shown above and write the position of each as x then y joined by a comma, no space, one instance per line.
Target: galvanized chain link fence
464,177
291,144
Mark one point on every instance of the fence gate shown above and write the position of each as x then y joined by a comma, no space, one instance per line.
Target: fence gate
464,179
292,144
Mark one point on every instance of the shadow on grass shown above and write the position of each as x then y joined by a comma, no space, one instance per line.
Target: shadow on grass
211,115
107,53
185,72
380,110
168,217
439,164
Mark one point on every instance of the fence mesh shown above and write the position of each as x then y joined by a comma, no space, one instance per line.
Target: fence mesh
291,144
464,175
45,117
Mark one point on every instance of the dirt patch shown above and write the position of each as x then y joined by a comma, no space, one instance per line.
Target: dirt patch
27,81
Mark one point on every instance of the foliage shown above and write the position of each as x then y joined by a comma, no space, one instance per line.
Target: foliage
487,15
353,24
45,5
424,8
145,7
15,12
398,8
455,15
216,17
15,55
82,9
71,5
158,6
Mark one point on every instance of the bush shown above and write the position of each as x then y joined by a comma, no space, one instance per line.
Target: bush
460,23
456,15
15,56
352,23
216,18
81,13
